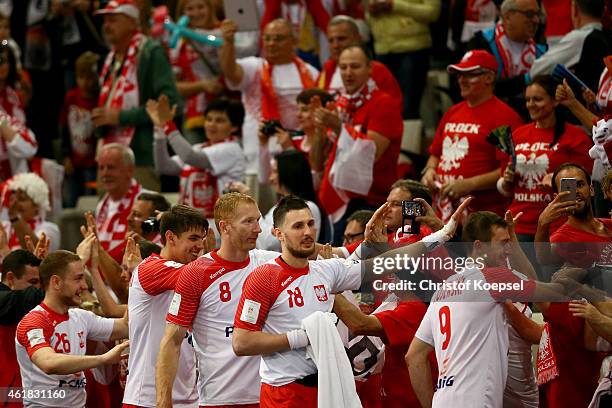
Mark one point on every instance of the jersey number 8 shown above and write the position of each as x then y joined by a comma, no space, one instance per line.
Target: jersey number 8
225,294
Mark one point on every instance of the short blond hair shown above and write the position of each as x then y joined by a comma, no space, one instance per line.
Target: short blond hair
227,205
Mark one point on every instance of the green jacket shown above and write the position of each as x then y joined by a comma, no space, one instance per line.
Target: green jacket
405,28
155,77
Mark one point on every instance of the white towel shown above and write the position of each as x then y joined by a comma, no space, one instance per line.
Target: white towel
336,385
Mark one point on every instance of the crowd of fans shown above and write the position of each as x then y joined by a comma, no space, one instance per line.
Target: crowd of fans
284,147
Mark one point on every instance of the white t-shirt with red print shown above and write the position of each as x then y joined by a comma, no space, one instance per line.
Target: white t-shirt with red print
277,297
207,294
65,334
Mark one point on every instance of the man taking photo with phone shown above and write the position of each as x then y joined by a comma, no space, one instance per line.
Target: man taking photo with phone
581,225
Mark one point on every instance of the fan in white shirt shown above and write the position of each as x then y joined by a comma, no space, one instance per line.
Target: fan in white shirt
269,85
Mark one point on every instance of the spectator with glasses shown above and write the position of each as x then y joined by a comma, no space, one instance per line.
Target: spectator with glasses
355,226
461,161
512,43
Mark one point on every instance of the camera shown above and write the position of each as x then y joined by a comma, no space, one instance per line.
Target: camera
411,210
150,225
269,127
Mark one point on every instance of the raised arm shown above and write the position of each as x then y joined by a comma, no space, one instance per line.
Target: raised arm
232,71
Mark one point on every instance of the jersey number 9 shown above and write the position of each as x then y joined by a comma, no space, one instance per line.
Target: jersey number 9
445,325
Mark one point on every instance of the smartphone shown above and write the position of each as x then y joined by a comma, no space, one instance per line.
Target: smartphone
410,210
569,184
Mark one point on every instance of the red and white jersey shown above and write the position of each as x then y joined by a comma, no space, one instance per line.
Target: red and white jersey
207,294
151,291
277,297
200,188
65,334
468,330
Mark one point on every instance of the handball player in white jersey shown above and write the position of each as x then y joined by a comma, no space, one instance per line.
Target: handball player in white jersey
277,296
467,328
51,339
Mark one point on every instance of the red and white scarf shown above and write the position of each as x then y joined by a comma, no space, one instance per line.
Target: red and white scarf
528,54
112,227
119,90
547,369
347,105
269,99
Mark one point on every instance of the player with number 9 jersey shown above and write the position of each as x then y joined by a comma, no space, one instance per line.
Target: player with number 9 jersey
468,331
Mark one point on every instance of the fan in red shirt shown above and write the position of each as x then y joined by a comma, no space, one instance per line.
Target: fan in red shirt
583,240
362,165
343,31
461,161
540,147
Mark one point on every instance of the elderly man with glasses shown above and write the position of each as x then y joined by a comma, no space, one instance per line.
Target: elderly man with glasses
512,43
461,161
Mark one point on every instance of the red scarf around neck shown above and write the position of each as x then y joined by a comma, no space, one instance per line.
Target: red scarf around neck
269,99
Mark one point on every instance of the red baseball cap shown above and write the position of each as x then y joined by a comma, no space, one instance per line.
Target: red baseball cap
126,7
474,60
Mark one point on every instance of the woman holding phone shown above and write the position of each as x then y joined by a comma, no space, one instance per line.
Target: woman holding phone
540,147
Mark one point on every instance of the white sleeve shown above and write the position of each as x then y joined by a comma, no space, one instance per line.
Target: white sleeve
223,157
346,274
250,66
98,328
53,234
316,214
20,147
564,52
424,332
266,240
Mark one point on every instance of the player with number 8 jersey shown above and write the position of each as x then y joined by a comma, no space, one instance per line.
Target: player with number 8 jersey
207,294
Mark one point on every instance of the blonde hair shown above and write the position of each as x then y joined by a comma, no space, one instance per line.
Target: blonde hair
226,206
211,21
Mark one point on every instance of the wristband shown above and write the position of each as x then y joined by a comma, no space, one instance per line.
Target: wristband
432,241
297,339
169,127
